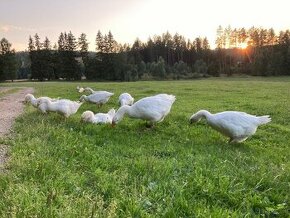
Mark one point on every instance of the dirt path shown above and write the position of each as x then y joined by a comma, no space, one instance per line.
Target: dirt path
3,89
11,106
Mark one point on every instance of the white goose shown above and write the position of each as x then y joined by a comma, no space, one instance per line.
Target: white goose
99,97
126,99
152,109
89,116
238,126
64,107
36,101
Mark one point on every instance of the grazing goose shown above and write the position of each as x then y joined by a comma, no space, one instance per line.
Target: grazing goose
64,107
152,109
99,97
36,101
238,126
126,99
89,116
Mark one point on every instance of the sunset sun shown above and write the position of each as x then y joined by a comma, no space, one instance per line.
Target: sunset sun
243,45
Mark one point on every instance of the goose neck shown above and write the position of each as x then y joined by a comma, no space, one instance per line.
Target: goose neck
204,113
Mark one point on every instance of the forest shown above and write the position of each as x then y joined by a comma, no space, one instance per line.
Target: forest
253,51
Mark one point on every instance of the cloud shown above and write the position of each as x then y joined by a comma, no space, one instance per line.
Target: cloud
4,29
11,28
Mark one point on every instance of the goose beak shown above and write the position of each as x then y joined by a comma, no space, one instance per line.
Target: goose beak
113,124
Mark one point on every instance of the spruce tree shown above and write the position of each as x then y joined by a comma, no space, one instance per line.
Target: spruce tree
83,49
47,60
71,66
8,63
100,45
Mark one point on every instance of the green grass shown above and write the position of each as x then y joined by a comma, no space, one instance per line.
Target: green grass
66,168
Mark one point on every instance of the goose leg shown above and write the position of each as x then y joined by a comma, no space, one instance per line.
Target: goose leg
241,139
238,140
149,124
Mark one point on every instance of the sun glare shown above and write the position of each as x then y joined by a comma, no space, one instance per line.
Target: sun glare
243,45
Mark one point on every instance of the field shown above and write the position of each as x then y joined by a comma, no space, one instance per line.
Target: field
65,168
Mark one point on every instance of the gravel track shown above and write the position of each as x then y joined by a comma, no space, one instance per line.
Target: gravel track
11,107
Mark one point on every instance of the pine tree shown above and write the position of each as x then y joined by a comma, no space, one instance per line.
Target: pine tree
36,58
71,42
46,44
111,43
70,64
7,61
135,50
83,49
168,47
38,45
61,42
47,65
32,55
242,35
31,46
100,42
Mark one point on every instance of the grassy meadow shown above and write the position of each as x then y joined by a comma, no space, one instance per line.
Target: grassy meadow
65,168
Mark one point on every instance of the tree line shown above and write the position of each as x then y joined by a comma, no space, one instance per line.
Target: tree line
253,51
266,54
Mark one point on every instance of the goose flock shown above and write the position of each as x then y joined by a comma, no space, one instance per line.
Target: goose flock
235,125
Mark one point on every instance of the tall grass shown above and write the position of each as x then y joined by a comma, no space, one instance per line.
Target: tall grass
64,168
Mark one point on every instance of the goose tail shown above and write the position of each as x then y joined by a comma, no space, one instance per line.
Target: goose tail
264,119
171,98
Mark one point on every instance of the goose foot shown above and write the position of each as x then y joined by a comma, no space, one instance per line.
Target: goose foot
237,140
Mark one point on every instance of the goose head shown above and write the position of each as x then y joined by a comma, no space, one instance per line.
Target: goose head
28,98
87,116
115,121
194,119
120,114
198,116
81,89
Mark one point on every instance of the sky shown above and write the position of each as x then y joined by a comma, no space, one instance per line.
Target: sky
129,19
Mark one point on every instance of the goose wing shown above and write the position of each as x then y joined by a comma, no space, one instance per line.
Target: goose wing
234,124
152,108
